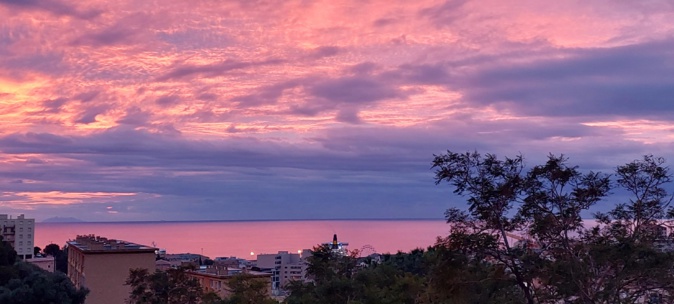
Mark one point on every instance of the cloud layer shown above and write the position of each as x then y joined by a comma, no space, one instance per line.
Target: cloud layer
127,110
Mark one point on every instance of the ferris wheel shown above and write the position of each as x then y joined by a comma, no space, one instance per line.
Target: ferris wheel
366,251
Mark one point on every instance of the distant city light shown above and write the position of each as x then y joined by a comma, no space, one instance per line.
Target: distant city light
252,253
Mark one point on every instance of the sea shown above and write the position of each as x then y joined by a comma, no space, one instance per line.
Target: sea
246,239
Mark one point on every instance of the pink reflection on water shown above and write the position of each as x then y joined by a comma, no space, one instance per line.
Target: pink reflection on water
241,238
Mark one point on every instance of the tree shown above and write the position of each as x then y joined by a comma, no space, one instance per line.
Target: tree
60,256
7,261
438,275
52,249
247,289
36,251
163,287
555,196
31,285
558,259
7,253
494,188
631,250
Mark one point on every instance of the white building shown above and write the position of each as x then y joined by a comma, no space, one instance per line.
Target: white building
285,267
20,233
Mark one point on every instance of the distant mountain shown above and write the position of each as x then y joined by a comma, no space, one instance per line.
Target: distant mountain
62,220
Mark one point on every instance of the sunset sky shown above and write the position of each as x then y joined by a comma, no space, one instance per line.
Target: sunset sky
298,109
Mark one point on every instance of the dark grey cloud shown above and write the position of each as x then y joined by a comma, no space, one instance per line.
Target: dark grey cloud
168,100
181,71
54,105
381,22
420,74
268,94
127,30
87,96
191,39
50,63
207,97
348,115
363,68
324,51
55,7
633,80
444,14
89,114
347,165
355,90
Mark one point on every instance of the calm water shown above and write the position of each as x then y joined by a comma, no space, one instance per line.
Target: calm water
239,239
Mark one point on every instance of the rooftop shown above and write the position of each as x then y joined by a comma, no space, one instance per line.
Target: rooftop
97,244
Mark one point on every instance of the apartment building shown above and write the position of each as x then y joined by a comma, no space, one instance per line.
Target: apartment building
216,279
20,233
285,267
102,265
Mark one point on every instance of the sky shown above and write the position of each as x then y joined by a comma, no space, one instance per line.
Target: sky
296,109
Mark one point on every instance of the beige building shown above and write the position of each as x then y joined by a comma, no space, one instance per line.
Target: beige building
215,279
46,263
20,233
102,265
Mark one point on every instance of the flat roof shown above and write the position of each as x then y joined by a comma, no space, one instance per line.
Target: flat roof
97,244
252,274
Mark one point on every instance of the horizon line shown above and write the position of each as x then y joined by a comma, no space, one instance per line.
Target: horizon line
247,220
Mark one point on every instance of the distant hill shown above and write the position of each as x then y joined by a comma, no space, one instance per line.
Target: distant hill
62,220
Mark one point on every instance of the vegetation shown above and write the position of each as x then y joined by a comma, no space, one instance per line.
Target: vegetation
163,287
246,289
23,283
522,239
60,256
175,286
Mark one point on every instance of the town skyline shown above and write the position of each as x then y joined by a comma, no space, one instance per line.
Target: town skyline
243,110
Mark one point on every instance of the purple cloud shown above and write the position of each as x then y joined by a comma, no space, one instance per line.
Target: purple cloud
53,6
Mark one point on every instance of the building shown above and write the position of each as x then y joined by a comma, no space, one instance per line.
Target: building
46,263
102,265
284,267
233,262
20,233
216,279
164,265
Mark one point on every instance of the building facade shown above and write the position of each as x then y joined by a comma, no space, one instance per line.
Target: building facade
102,265
217,279
20,233
285,267
47,263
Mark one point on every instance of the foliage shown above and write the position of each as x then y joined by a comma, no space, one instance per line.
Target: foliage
247,289
624,258
436,275
7,253
60,256
28,284
163,287
52,249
